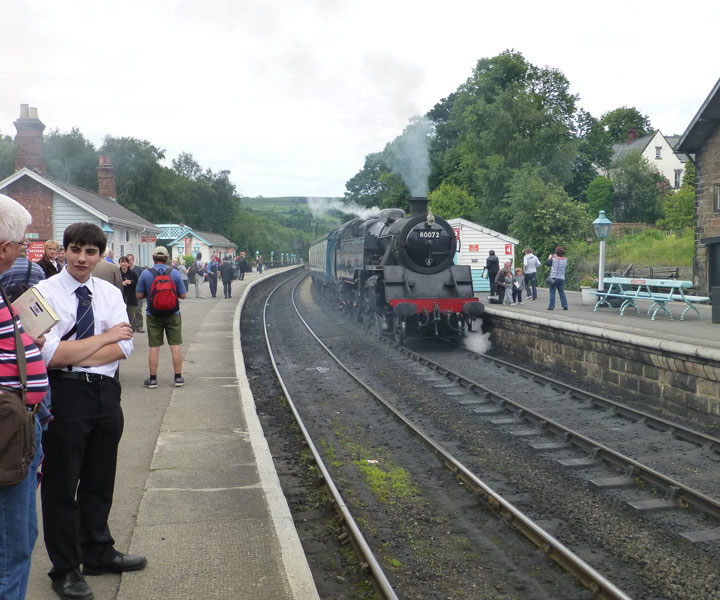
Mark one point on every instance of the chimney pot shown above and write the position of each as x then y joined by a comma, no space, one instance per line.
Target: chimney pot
24,111
632,135
33,112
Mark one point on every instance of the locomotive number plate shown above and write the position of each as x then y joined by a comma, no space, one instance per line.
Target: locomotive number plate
428,234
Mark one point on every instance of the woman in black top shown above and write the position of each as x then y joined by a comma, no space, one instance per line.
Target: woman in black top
492,264
129,282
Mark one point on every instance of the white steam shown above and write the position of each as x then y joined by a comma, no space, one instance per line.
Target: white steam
409,156
320,207
477,341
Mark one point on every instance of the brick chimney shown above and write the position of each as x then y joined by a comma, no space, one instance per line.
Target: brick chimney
632,136
29,141
106,178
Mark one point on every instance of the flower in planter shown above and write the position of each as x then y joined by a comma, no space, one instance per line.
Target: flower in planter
588,281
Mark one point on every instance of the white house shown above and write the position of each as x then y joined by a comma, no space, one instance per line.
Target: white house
658,150
474,245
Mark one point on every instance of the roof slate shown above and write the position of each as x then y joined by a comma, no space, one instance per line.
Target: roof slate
106,206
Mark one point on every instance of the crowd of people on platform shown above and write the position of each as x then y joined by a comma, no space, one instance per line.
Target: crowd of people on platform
507,284
66,381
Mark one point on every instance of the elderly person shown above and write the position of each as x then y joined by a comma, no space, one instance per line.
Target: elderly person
18,526
48,263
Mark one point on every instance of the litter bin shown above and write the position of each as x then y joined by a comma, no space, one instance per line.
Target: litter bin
715,300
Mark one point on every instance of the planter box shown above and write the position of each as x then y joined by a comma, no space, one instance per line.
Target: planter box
587,298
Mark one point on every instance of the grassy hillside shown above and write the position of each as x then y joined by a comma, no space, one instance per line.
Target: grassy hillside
293,212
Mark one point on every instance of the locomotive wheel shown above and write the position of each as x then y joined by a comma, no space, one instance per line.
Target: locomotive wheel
400,332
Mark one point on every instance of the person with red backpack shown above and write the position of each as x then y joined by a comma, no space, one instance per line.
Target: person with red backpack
164,288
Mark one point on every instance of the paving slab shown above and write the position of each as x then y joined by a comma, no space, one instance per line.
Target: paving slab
196,488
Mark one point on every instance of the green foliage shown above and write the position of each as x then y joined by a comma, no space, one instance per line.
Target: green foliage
450,201
542,215
618,121
600,196
679,208
594,151
689,175
509,114
7,156
639,190
72,158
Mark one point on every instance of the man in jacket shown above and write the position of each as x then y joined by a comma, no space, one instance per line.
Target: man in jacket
492,265
226,274
530,265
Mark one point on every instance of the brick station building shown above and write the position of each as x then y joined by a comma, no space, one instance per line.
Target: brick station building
54,204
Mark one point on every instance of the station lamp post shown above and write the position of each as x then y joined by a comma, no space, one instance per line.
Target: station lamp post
282,258
272,257
601,225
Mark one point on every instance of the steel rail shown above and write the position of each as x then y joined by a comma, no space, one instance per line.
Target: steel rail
674,489
678,431
602,588
380,580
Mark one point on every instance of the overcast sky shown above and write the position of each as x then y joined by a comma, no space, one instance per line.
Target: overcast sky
290,96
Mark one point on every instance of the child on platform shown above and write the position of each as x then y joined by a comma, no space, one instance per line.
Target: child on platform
508,286
517,286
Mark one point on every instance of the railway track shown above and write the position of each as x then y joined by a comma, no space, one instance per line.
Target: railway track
694,455
598,585
662,493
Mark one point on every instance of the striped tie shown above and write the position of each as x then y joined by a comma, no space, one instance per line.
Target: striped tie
85,322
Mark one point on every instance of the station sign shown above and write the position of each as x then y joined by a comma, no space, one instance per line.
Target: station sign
508,249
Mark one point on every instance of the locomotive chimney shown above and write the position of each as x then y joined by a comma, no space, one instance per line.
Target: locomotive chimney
418,206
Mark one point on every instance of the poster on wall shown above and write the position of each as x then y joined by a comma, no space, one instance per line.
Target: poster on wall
458,247
35,251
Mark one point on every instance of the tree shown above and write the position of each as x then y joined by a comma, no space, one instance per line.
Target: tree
450,201
71,158
543,215
639,189
679,208
7,156
507,116
618,121
186,166
594,151
600,196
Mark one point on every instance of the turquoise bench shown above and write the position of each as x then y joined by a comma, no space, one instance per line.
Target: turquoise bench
631,290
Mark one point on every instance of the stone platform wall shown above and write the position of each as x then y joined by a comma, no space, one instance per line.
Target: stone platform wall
679,378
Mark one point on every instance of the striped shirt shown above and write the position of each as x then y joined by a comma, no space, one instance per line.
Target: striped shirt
37,379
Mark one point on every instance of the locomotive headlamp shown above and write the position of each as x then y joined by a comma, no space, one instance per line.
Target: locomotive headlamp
430,219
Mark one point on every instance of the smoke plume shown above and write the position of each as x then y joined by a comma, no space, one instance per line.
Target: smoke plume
476,340
409,156
320,207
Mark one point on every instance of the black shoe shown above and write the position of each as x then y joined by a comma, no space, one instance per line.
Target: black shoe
72,586
564,307
119,564
550,308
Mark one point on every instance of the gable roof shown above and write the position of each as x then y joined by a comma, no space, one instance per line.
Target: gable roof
103,208
620,151
703,124
211,239
465,223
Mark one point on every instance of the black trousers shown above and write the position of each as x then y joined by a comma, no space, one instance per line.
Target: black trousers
80,447
212,280
227,288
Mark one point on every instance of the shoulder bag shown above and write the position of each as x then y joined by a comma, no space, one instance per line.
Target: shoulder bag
17,423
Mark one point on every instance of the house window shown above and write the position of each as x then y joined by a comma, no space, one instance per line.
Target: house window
658,152
678,177
716,198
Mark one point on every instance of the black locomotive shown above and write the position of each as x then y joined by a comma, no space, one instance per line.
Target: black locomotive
398,271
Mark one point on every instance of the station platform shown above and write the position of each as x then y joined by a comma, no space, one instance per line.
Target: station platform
690,333
196,488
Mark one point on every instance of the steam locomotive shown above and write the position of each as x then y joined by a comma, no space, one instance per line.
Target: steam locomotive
398,271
